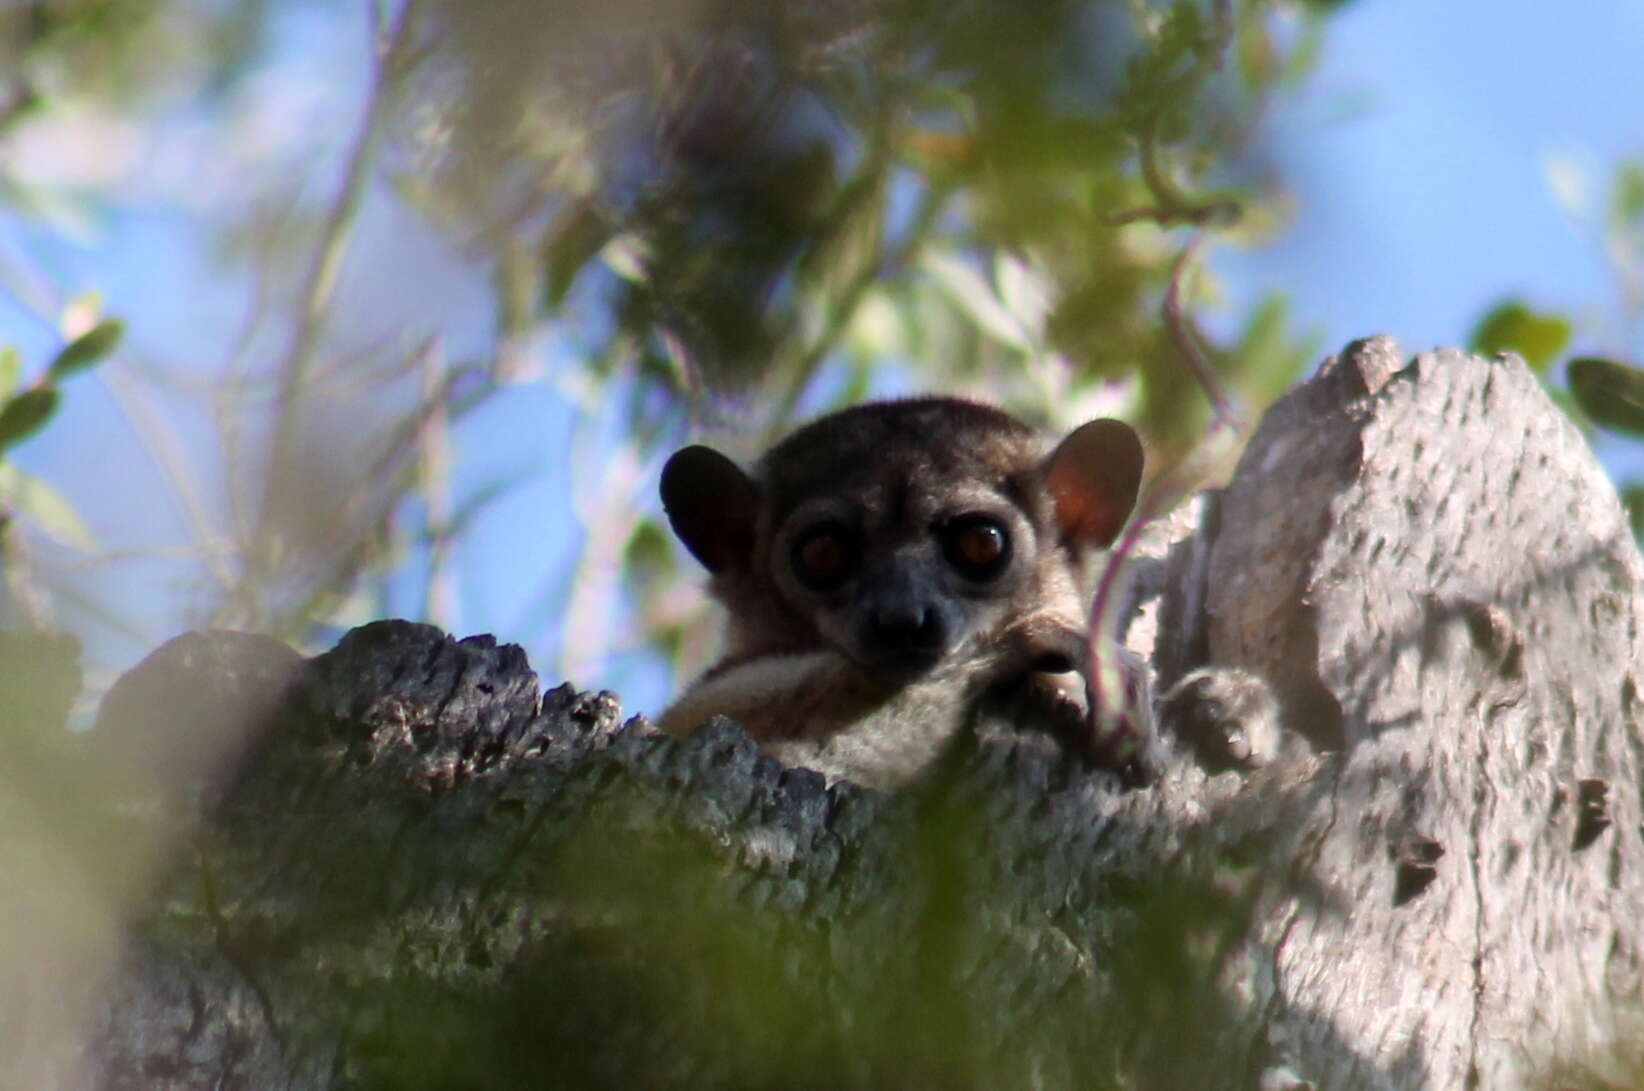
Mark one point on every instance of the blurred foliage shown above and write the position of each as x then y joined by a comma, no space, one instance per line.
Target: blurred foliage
1511,326
24,411
732,212
777,209
1610,393
1599,391
970,192
86,350
59,52
726,212
665,975
67,875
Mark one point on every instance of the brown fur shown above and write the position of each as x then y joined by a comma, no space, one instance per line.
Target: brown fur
797,670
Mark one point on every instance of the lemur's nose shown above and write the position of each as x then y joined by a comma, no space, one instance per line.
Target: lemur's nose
904,623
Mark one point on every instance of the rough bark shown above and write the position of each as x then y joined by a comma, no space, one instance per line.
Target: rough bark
419,873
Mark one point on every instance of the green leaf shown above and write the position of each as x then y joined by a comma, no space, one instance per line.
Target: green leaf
1612,394
1268,357
1632,497
11,370
1255,52
25,414
1512,327
578,235
45,507
88,349
877,329
858,385
1627,194
1263,337
649,549
1304,53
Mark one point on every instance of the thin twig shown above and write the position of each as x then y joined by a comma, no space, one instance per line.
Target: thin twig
389,66
434,470
172,464
393,469
231,389
326,262
1182,335
1168,490
159,443
1172,205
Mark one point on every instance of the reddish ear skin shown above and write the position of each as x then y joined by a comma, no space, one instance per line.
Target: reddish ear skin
1093,475
712,506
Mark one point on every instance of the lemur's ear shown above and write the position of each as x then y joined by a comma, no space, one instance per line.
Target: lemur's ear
1093,475
712,505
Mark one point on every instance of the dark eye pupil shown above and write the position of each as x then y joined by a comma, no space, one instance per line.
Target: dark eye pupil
824,557
977,546
980,545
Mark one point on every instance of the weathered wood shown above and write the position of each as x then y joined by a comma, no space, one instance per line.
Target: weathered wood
420,875
1455,600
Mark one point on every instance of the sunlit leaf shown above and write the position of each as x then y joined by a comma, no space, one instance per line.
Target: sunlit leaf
877,329
1611,393
1023,291
354,606
46,508
11,370
627,256
25,414
973,296
88,349
81,313
1513,327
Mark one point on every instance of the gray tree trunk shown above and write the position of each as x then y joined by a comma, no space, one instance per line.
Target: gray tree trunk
417,873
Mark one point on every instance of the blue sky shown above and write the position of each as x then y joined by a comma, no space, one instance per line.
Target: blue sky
1417,159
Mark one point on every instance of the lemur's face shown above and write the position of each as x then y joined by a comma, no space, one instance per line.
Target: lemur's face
903,535
901,576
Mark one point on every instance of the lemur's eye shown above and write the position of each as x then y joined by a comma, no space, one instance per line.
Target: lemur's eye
824,556
977,546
